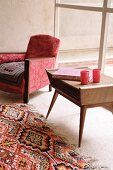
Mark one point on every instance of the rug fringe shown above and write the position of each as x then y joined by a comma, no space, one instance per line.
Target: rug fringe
93,163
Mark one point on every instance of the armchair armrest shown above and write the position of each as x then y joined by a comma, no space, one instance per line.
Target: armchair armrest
35,73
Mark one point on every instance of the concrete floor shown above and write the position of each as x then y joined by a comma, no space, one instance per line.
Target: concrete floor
97,142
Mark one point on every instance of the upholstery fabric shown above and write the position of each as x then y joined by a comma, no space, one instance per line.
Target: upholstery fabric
10,57
27,142
38,77
12,88
42,46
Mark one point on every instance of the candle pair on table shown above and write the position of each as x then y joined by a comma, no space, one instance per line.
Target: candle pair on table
85,76
96,75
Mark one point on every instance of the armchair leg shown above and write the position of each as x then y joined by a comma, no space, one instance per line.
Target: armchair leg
26,77
50,87
26,98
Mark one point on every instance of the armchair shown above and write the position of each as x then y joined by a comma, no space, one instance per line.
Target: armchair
25,73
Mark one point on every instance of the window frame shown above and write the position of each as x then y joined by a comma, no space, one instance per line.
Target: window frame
105,10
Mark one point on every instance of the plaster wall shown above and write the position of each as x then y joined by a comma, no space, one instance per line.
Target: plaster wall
19,19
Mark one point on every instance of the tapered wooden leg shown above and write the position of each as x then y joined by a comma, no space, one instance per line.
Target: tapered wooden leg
81,125
52,103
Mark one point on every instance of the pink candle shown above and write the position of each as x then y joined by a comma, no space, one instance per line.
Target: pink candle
84,77
96,75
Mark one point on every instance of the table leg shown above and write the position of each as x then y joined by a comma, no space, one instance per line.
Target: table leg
52,103
81,125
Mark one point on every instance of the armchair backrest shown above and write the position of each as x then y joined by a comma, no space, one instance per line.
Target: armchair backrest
42,46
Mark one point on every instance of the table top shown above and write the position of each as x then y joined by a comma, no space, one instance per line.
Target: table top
90,95
105,81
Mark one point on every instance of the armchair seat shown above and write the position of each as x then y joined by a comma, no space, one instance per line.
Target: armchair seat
25,73
12,77
13,89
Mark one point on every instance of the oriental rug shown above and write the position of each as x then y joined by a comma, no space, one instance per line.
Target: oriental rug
27,142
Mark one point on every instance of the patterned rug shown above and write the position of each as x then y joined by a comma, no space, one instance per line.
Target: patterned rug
27,142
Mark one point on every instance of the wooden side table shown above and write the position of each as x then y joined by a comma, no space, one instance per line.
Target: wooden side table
85,96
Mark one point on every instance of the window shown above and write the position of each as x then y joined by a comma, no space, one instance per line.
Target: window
82,29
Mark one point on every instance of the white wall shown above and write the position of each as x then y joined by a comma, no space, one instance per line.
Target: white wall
19,19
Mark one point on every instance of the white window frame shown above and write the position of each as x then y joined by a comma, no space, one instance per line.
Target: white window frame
105,10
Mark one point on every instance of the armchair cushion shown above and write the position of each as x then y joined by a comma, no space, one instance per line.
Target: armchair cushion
11,57
12,73
42,46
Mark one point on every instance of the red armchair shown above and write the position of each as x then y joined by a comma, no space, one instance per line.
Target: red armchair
25,73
